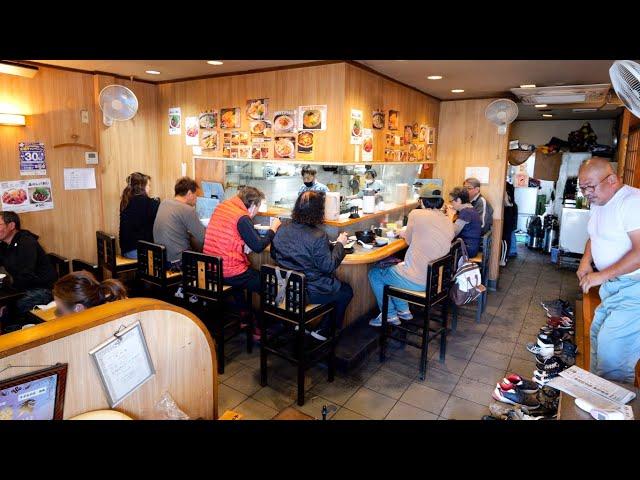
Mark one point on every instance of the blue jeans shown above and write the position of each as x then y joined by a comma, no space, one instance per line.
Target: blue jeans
133,254
615,330
379,277
513,247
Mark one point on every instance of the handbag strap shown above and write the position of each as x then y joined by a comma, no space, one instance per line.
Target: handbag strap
282,285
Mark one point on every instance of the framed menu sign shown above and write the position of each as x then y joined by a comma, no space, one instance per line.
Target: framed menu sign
123,362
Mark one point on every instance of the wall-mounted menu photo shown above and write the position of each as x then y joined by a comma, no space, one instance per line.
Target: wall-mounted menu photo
284,146
393,119
209,139
356,127
230,117
260,128
422,136
408,134
208,119
257,109
312,117
431,135
377,120
305,142
284,121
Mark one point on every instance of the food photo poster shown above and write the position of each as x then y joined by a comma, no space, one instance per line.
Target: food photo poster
356,127
312,117
26,195
191,130
175,121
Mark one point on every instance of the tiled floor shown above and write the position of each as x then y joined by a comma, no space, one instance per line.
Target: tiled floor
478,355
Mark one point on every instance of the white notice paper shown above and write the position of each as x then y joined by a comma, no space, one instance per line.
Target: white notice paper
79,178
481,173
124,363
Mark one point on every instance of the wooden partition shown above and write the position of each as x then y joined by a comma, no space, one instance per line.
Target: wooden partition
468,139
180,346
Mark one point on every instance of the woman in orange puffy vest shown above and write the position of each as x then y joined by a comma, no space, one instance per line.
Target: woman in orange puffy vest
230,235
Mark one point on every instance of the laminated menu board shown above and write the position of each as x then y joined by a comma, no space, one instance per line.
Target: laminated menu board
26,195
32,158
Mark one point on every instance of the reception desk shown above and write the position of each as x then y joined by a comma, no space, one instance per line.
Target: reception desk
353,270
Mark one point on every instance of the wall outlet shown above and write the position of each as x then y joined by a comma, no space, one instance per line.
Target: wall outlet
91,158
84,116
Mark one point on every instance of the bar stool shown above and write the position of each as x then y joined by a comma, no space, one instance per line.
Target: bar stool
152,270
202,277
60,264
108,258
482,258
78,265
290,306
439,274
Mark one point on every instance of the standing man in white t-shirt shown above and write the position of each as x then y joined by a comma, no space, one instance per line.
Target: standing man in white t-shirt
614,247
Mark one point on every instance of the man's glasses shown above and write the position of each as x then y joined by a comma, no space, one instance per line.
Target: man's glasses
591,188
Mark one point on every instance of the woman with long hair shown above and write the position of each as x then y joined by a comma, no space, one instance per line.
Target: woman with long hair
137,214
80,290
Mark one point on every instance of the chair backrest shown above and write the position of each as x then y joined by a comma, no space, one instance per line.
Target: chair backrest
78,265
456,252
152,263
439,276
106,248
295,301
60,264
201,275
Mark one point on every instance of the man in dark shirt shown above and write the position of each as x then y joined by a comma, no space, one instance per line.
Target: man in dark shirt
479,203
25,261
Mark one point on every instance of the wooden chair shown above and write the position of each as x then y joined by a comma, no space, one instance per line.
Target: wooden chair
202,277
108,258
637,381
293,311
154,272
60,264
78,265
439,274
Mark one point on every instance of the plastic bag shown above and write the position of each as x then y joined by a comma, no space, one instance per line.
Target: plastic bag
167,409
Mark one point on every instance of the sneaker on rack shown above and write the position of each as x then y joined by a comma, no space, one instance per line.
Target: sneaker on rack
564,323
542,378
500,410
377,322
526,386
514,396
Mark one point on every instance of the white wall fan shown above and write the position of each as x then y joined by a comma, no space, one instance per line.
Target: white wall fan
501,112
117,103
625,78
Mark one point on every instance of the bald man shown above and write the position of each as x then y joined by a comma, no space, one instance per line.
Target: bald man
614,247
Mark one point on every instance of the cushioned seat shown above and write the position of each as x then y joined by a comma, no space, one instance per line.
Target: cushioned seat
120,260
102,415
173,274
477,258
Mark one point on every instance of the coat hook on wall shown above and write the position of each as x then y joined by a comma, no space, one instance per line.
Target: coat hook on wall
75,143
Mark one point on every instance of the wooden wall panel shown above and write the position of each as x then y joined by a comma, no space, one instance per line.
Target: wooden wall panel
367,91
127,147
286,89
53,100
465,139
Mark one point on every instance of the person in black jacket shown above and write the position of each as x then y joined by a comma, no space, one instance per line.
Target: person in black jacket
305,247
26,262
137,214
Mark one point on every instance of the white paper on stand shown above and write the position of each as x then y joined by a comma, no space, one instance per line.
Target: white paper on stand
79,178
598,385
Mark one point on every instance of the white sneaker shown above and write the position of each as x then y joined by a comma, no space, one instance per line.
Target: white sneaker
179,293
405,315
377,322
314,334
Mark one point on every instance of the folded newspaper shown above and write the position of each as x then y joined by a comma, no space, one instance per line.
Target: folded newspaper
599,392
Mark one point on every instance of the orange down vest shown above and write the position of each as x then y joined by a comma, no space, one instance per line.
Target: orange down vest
222,238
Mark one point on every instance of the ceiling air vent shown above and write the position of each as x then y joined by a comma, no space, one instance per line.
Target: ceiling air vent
589,96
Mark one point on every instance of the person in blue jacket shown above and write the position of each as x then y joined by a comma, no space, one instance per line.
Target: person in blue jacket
468,224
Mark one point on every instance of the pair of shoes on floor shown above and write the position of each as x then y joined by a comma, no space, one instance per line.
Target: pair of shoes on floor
545,346
509,393
501,411
391,320
562,323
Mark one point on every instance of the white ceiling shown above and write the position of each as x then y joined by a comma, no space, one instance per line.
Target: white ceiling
479,78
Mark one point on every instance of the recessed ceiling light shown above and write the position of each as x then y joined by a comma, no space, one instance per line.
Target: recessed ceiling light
528,86
541,105
435,77
152,72
547,115
457,90
215,62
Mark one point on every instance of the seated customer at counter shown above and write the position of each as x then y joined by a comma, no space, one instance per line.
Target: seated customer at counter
429,234
230,232
80,290
310,183
26,263
137,214
177,223
305,247
482,206
468,224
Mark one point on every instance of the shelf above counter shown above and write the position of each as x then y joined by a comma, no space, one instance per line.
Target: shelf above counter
311,162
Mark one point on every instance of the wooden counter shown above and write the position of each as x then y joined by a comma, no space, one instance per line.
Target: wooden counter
279,212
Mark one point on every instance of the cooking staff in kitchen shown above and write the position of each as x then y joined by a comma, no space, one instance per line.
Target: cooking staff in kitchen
370,182
310,183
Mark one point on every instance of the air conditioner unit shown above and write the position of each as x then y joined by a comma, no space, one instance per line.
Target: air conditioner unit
581,96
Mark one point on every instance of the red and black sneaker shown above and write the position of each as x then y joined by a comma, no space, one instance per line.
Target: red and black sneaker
527,386
514,396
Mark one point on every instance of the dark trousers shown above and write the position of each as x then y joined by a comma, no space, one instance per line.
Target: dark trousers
341,298
249,280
